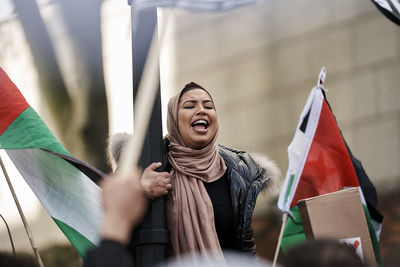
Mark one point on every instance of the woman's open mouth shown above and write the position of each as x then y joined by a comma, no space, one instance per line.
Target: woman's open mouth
200,126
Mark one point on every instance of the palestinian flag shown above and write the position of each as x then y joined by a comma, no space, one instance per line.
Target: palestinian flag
63,185
320,162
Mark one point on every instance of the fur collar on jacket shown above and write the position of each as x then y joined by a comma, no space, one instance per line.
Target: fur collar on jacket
269,167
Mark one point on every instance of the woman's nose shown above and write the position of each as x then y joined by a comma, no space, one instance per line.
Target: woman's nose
201,110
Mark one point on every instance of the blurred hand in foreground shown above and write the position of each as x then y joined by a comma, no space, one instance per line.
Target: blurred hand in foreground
124,204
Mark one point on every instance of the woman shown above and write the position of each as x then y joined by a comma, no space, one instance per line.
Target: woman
214,188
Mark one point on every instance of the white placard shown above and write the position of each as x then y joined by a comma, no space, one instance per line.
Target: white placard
354,242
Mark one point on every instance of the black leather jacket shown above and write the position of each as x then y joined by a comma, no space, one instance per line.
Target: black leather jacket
246,181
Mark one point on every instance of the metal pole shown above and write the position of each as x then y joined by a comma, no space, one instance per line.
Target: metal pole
151,238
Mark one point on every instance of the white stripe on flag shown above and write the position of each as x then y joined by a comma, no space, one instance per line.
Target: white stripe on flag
66,193
384,4
300,146
396,4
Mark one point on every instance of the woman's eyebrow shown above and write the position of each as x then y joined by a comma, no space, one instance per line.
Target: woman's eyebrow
190,101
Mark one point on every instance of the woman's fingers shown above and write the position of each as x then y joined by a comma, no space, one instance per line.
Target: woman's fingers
155,184
165,180
154,166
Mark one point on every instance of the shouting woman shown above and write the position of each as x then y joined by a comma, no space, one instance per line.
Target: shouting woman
210,190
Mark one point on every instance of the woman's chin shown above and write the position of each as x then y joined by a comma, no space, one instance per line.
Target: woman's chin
199,143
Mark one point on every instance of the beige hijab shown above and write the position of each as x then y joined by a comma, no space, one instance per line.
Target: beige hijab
190,214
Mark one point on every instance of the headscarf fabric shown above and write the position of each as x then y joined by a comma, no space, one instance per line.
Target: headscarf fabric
190,214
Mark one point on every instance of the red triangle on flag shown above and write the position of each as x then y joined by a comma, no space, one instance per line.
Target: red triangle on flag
328,167
12,102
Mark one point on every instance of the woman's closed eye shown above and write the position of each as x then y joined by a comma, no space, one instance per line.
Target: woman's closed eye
193,106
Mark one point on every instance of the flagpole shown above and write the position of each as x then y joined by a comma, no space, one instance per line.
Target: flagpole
144,104
28,231
284,220
149,243
144,101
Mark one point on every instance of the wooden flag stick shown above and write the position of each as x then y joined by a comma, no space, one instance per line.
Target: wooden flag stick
143,106
284,220
28,231
144,102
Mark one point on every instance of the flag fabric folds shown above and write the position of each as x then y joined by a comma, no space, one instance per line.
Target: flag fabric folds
65,186
200,5
390,8
320,162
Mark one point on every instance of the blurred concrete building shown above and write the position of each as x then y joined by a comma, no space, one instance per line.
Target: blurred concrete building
260,63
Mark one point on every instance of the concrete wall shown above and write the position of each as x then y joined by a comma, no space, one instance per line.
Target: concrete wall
261,61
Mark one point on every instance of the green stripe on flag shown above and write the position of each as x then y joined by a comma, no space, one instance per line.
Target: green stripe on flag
68,195
294,232
373,237
29,131
289,188
81,244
